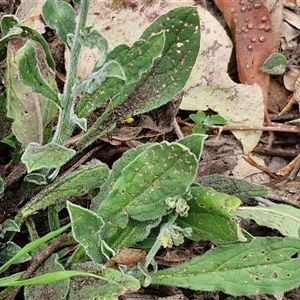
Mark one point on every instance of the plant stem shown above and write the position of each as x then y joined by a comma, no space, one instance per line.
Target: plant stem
66,123
156,246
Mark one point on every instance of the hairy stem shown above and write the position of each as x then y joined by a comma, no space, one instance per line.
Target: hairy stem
66,124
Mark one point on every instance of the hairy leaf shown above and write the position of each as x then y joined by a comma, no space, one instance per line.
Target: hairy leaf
10,250
165,78
136,60
30,247
240,188
77,183
134,232
210,218
266,265
284,218
31,75
32,112
161,171
57,290
83,221
51,155
112,283
60,16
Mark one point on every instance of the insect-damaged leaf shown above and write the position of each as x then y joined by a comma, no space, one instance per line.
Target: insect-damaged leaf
160,83
266,265
161,171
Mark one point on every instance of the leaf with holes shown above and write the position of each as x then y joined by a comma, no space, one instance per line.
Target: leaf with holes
284,218
158,84
266,265
159,172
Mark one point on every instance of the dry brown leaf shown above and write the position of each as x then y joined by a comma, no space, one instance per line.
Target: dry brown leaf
128,257
255,39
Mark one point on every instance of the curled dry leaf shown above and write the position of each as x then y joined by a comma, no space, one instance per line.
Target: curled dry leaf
255,39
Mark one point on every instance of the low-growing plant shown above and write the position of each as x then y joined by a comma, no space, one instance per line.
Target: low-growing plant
203,121
149,198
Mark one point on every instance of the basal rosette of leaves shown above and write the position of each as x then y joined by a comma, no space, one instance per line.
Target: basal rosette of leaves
149,197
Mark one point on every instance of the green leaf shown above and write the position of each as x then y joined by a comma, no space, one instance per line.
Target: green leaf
49,156
77,183
10,250
199,130
57,290
83,221
30,247
198,118
30,73
275,64
266,265
284,218
116,172
59,15
240,188
7,23
161,81
111,283
161,171
94,80
173,68
217,120
194,142
135,61
210,216
8,226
